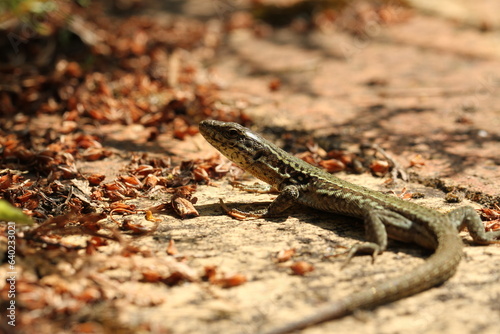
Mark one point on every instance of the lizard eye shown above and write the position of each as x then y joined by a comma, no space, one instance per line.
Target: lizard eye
232,133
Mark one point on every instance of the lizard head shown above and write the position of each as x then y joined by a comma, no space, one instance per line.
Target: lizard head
236,142
253,153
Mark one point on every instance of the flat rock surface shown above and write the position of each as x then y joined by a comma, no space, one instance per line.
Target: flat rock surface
425,89
435,95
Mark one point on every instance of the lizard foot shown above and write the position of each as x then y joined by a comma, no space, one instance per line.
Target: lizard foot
365,248
241,215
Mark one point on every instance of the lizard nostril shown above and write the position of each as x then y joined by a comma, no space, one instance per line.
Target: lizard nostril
258,155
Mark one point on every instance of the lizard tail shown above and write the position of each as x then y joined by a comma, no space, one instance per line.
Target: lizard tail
436,270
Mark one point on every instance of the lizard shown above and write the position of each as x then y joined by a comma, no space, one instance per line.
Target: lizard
385,216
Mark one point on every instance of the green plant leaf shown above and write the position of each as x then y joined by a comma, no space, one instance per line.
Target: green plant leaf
8,212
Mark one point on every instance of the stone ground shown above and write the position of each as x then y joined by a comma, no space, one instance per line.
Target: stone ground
428,87
424,89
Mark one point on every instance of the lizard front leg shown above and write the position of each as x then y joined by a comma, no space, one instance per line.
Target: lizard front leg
286,198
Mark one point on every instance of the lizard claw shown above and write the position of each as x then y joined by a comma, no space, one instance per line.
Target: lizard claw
241,215
367,248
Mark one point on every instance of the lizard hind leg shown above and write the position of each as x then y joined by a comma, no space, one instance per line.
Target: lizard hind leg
363,248
375,233
377,224
466,216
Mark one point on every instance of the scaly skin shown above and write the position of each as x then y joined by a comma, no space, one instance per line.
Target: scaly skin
384,216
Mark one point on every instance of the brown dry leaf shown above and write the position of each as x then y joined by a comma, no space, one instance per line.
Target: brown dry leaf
201,174
151,276
231,281
493,217
285,255
417,161
95,153
308,157
130,181
96,179
5,181
493,225
301,268
150,217
171,249
224,281
380,167
210,273
135,228
332,165
184,208
345,157
151,180
274,84
120,206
